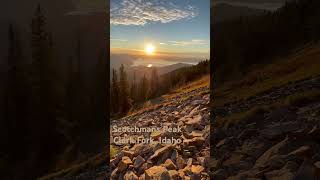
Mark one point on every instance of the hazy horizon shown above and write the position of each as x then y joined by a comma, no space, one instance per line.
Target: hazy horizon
159,32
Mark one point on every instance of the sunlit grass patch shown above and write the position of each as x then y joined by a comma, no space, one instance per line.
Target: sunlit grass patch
202,82
302,65
113,151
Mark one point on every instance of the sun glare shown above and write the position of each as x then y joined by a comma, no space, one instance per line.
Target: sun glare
149,65
149,49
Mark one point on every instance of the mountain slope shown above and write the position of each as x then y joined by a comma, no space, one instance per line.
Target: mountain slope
267,124
224,12
187,107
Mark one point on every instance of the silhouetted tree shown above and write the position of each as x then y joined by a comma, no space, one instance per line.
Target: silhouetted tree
125,100
143,89
134,88
154,83
16,98
259,39
115,92
46,140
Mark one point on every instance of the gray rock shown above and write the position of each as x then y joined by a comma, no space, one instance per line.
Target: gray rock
279,129
157,172
124,163
130,176
307,171
138,162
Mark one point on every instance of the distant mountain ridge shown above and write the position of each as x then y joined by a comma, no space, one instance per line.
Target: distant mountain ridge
226,11
140,71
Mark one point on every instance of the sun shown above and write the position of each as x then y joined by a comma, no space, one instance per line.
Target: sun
149,49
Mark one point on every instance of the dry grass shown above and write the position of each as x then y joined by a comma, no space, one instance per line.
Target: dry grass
145,109
149,106
301,65
202,82
113,151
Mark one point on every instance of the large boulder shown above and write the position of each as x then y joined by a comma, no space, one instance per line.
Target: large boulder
271,153
124,163
168,164
181,163
130,176
197,141
160,153
157,172
196,122
138,161
279,129
197,169
129,154
173,174
306,171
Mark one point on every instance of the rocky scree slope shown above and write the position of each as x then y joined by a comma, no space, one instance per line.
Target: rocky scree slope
188,110
187,160
272,143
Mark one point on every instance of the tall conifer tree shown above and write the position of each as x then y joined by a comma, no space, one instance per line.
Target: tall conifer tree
125,100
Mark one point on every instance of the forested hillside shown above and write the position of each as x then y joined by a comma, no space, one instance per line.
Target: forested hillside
246,41
266,95
126,94
50,98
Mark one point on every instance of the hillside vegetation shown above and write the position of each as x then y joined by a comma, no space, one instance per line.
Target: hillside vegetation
267,100
268,127
130,95
302,64
247,41
52,89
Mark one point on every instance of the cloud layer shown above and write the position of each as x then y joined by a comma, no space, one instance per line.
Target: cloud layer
141,12
187,43
119,40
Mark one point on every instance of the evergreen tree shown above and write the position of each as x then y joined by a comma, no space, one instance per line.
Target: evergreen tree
72,126
16,98
71,100
134,90
144,89
46,140
94,135
125,100
154,83
78,91
115,93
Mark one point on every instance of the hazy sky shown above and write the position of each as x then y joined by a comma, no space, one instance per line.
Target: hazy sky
177,29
